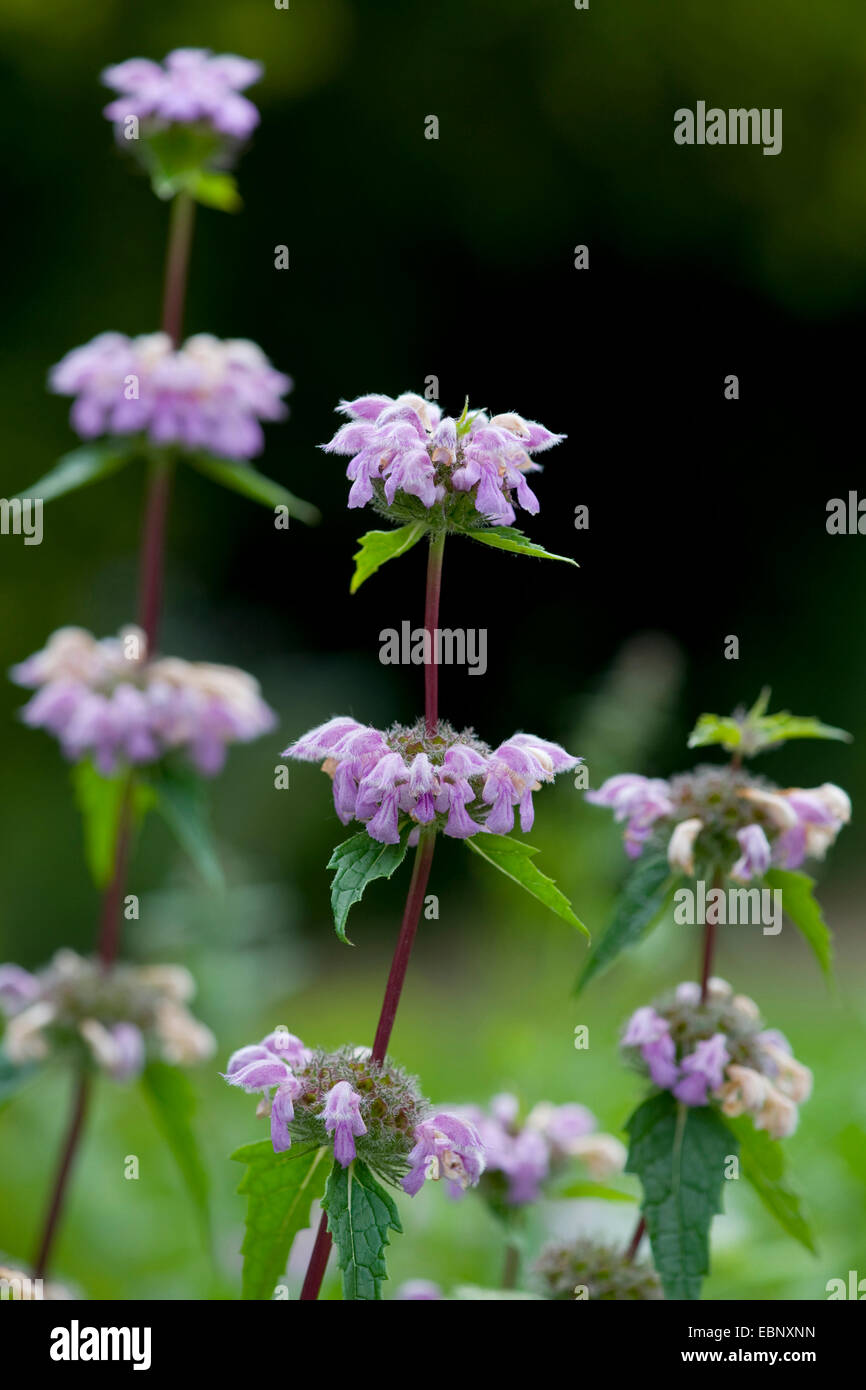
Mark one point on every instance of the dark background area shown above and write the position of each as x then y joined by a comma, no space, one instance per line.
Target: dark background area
454,258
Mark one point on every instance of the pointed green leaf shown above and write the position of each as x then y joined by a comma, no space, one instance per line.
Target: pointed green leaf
679,1153
358,861
216,190
804,910
83,466
377,547
360,1215
762,1163
776,728
755,731
514,859
100,801
715,728
181,799
280,1189
509,538
638,907
172,1100
243,478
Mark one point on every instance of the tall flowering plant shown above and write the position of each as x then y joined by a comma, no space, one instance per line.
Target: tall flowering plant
406,787
140,728
721,845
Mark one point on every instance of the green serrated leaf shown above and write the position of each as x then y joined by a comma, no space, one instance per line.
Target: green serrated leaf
243,478
679,1153
172,1100
714,728
776,728
181,800
100,801
514,859
638,907
377,547
509,538
804,910
360,1215
280,1189
82,467
756,731
358,861
762,1163
216,190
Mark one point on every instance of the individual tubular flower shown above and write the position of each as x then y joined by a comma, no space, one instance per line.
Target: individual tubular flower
366,1110
405,776
107,700
594,1270
523,1154
724,819
115,1019
408,459
446,1147
342,1117
639,801
717,1052
208,394
191,87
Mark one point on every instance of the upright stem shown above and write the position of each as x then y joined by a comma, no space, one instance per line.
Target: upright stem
511,1267
318,1262
112,900
64,1168
403,950
709,950
635,1241
431,622
393,989
151,567
414,898
177,265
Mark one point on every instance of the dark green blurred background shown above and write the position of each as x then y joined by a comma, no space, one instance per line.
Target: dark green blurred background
412,258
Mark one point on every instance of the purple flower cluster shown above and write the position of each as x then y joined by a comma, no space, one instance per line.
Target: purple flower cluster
522,1155
406,445
715,1050
762,825
207,394
106,700
191,87
451,780
377,1105
120,1017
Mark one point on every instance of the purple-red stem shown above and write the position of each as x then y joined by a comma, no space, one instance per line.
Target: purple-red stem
709,949
150,582
64,1168
414,898
408,928
431,622
635,1241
